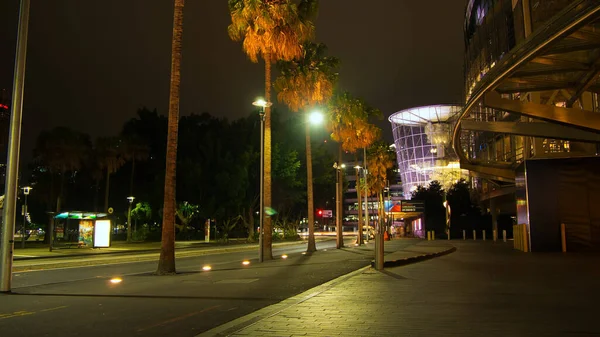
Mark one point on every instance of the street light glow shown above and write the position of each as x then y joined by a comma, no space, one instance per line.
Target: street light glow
316,117
262,103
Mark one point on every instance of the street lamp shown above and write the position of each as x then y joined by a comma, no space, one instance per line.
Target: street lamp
338,204
263,104
314,118
130,198
359,239
26,191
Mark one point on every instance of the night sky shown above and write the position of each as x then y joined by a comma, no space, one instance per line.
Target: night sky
91,64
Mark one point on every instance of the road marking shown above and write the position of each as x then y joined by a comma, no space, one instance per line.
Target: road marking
52,309
16,314
176,319
26,313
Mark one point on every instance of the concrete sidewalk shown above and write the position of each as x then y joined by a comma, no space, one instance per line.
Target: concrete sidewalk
340,307
484,289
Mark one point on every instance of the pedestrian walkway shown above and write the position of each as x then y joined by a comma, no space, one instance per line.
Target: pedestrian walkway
483,289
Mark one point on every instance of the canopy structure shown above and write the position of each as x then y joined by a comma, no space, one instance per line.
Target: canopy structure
80,215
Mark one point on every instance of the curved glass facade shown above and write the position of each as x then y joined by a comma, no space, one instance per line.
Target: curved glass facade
422,140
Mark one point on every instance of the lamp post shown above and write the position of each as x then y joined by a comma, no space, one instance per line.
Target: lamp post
315,118
360,239
26,191
338,205
130,198
14,145
263,104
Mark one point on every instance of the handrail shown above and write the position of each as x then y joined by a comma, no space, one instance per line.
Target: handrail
569,19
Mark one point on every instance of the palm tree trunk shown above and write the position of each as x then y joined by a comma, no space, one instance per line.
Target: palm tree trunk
60,193
309,191
131,179
96,189
340,199
166,262
268,232
106,191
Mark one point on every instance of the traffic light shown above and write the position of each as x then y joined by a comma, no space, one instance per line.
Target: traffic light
320,212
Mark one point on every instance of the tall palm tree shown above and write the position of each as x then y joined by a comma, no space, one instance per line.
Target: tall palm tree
350,127
110,159
305,83
272,30
166,262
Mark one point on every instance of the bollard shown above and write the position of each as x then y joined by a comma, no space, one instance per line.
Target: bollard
504,235
474,235
448,235
464,234
432,235
484,235
563,237
428,236
495,235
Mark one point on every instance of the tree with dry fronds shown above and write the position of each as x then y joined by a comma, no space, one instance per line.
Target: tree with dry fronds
350,127
272,30
305,83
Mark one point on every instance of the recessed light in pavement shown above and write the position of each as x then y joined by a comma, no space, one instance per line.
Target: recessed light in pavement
116,280
245,262
284,256
206,268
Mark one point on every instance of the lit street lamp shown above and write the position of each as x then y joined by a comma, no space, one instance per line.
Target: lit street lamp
130,198
314,118
263,104
338,205
26,191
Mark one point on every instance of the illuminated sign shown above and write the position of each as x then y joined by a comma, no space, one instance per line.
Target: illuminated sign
102,234
327,213
412,206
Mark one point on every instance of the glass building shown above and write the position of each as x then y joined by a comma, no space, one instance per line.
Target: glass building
422,140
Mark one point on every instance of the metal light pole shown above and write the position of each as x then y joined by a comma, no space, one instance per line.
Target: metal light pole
14,145
263,104
26,191
130,198
338,205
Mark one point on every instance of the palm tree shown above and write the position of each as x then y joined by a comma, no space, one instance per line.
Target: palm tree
381,160
304,83
166,262
134,150
110,159
61,150
350,127
272,30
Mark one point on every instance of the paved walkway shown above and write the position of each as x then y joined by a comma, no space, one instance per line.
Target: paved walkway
483,289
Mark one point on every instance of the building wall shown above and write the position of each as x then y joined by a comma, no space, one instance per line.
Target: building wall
555,191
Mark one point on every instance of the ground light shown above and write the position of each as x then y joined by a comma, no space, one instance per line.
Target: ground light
245,262
206,268
116,280
284,256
